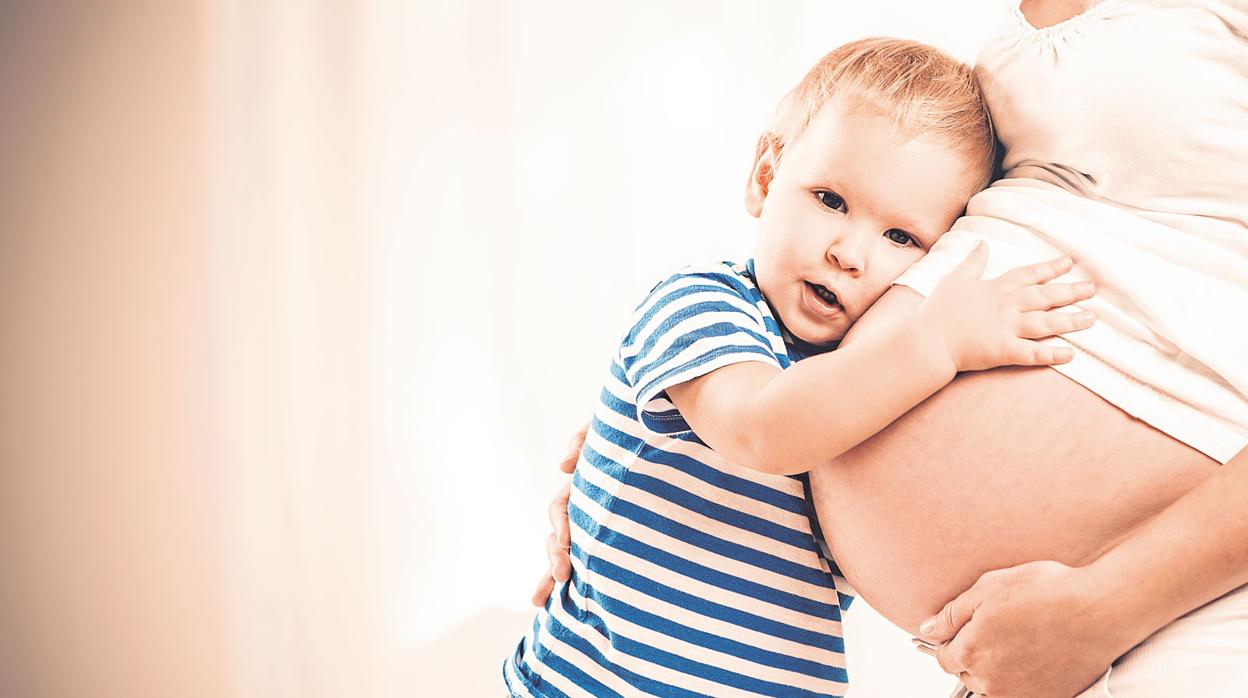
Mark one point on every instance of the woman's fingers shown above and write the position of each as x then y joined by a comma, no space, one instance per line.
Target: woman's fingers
557,544
560,563
1046,296
1039,324
1038,273
560,570
557,512
542,591
568,464
578,439
559,540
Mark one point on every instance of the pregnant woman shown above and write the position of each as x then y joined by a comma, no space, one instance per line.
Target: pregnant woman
1125,124
1126,129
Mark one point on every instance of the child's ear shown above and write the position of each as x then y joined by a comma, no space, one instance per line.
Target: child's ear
766,157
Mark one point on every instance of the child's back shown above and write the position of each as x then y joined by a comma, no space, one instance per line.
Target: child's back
690,574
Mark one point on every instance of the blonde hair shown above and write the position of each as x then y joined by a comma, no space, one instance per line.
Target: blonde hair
924,91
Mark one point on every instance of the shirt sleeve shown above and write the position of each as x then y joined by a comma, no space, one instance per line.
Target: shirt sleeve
688,326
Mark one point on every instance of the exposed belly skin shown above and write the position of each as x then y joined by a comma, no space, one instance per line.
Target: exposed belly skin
1001,467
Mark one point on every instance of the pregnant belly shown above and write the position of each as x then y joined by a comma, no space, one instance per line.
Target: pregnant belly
999,468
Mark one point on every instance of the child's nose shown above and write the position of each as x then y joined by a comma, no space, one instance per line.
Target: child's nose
849,251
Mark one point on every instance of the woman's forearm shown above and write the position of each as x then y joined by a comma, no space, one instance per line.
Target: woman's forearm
1191,553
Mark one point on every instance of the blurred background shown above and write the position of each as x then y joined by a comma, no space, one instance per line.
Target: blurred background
300,303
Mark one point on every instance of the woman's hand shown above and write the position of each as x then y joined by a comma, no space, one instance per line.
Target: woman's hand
560,540
1031,630
1045,629
985,323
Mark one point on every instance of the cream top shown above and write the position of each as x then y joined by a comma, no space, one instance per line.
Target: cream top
1126,134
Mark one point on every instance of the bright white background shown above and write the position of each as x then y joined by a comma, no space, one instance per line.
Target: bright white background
302,301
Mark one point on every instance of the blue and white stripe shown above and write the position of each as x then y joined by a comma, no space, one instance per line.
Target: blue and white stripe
691,576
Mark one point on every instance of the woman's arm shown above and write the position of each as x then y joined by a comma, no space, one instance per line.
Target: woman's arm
1004,633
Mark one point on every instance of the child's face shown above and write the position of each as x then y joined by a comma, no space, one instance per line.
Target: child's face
852,204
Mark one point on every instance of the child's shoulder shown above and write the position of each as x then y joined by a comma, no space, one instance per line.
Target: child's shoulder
712,292
728,276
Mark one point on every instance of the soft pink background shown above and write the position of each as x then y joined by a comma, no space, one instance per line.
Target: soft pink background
300,302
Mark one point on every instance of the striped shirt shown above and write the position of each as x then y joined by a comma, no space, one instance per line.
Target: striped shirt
691,575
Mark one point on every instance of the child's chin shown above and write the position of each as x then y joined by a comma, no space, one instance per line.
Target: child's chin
823,340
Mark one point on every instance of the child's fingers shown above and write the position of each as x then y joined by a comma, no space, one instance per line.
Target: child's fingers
1038,324
1035,273
1029,353
1054,295
973,266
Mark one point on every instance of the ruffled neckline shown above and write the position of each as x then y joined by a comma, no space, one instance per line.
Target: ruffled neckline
1065,26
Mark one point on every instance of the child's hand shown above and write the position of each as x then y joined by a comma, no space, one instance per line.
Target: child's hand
993,322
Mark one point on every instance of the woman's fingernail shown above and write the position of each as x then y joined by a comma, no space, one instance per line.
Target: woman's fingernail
928,627
1087,287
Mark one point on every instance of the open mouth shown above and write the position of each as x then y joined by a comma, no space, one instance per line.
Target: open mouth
825,295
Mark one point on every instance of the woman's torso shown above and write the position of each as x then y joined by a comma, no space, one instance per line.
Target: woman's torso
999,468
1143,101
1014,465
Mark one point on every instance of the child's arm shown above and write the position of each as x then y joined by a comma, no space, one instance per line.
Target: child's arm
788,421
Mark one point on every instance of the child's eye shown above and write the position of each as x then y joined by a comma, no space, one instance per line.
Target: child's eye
900,237
831,199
